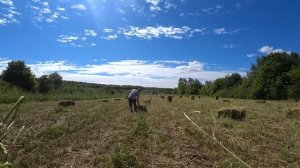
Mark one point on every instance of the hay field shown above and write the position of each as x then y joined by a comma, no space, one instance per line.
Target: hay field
105,134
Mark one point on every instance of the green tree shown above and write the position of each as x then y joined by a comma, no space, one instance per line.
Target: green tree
270,75
44,84
182,86
294,88
56,80
18,74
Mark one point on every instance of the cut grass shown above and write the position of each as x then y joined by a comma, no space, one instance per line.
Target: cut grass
98,134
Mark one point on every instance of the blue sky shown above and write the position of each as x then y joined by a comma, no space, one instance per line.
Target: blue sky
145,42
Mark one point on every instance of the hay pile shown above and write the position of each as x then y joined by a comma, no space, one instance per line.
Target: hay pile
170,98
233,113
66,103
293,113
142,108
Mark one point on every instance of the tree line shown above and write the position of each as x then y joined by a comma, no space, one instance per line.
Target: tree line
20,75
274,76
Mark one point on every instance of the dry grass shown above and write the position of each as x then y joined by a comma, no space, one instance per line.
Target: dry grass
98,134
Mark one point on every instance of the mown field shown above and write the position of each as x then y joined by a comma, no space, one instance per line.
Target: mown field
98,134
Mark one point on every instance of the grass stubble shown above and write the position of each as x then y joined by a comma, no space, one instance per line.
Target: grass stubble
98,134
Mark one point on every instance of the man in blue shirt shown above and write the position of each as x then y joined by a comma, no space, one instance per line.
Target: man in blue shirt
134,98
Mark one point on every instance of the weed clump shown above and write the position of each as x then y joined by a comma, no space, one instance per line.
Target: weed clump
122,157
226,101
105,100
192,97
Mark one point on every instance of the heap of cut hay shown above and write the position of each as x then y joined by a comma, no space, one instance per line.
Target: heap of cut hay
293,113
235,113
170,98
66,103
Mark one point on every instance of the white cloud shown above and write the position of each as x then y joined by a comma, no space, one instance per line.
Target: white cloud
90,32
3,63
153,5
130,72
8,13
61,9
169,4
67,38
7,2
229,46
110,37
106,30
78,40
268,49
43,12
223,30
216,10
251,55
79,7
159,31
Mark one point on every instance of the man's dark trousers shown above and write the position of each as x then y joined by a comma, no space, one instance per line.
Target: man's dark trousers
132,102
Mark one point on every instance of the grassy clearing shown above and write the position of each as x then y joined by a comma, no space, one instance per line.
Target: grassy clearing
98,134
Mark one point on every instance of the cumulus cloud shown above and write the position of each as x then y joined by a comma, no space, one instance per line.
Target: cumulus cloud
268,49
159,73
79,7
8,13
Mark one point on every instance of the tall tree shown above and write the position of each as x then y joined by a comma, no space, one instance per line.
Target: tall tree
56,79
18,74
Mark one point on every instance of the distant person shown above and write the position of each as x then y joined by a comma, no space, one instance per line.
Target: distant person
134,98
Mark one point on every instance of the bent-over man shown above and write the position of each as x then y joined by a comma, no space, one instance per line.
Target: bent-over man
134,99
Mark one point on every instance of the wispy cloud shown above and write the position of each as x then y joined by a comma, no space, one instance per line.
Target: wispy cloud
230,46
251,55
90,32
78,40
216,10
79,7
107,30
67,38
8,13
268,49
223,30
110,37
43,12
159,31
154,5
